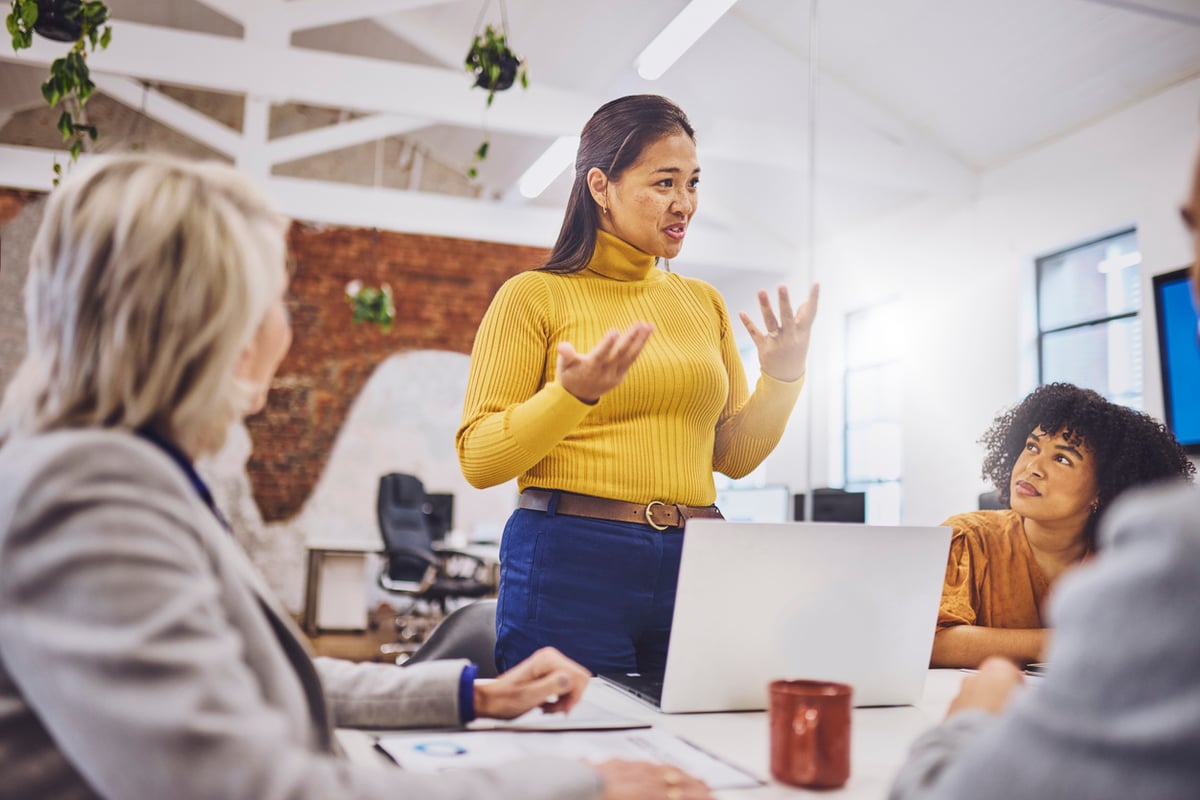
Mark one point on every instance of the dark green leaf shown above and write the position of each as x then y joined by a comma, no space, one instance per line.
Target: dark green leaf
76,149
90,130
472,173
524,79
106,37
482,151
86,88
29,15
51,92
64,125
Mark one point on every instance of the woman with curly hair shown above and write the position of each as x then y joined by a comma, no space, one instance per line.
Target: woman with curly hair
1057,460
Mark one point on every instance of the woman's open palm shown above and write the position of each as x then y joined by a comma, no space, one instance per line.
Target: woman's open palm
783,347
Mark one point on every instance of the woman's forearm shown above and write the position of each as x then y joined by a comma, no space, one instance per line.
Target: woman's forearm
969,645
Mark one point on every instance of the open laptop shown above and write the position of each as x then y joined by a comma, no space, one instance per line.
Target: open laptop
758,601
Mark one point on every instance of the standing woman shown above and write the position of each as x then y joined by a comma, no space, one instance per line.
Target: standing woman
612,390
1058,458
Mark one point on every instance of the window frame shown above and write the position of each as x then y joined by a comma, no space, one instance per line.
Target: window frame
1043,333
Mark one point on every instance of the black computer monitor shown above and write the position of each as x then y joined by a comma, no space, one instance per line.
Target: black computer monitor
439,510
833,505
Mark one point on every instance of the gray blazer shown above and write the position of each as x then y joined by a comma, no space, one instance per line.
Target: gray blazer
1117,715
142,656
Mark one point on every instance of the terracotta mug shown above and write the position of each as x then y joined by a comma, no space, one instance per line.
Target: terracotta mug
810,732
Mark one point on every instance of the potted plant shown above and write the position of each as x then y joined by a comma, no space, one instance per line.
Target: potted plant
83,24
496,68
369,304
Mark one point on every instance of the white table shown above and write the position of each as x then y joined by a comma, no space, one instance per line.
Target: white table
880,738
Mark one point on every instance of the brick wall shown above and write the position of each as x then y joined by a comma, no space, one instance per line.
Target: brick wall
11,203
16,239
442,287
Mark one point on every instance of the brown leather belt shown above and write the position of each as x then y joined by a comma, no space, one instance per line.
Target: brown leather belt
656,514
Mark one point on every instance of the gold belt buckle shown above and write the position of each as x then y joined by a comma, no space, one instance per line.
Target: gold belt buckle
650,520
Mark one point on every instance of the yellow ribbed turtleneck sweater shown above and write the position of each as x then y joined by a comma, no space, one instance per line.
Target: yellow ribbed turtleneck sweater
681,413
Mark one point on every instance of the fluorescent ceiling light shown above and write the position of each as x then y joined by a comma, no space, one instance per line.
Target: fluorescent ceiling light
549,166
1119,262
680,34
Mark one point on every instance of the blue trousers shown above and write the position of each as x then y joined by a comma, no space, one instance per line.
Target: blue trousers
601,592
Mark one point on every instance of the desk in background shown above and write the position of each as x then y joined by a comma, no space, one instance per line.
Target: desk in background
880,738
338,574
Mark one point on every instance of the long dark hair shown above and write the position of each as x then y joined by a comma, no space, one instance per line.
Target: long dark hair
1130,448
612,140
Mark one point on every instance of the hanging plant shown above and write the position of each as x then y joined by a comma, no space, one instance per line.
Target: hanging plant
81,22
369,304
496,68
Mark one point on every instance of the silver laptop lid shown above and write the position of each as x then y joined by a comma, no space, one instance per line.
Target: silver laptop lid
822,601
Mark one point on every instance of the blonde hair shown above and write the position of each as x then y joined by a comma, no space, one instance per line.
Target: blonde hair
148,278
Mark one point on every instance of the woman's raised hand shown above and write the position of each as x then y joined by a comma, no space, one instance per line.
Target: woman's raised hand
783,347
589,375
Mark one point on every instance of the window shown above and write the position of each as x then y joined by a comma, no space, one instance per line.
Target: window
874,394
1089,334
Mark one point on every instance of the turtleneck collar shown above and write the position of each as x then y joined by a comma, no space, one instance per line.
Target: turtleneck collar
617,259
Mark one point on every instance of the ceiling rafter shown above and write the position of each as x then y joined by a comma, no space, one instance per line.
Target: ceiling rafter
292,74
426,213
340,135
279,73
172,113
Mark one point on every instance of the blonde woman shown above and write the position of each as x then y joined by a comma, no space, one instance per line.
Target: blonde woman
140,654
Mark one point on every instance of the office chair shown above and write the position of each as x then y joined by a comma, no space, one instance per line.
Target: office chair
415,566
469,632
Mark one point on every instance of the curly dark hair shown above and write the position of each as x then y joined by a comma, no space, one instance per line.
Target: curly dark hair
1130,447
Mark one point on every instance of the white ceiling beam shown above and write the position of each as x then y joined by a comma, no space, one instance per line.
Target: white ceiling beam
302,14
31,168
289,74
343,134
428,214
485,220
334,80
262,32
172,113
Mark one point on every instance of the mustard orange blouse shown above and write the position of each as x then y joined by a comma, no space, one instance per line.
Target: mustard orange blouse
992,578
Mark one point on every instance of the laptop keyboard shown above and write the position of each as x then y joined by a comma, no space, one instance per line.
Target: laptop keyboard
647,686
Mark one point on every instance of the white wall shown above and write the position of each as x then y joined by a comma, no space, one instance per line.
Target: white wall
962,272
404,420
